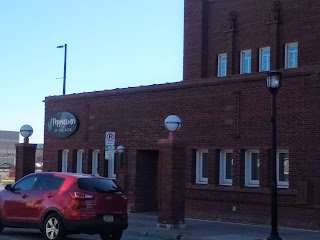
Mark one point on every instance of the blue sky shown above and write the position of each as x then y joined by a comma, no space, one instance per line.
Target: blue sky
111,44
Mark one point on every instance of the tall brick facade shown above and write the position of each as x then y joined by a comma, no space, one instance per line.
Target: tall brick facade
231,112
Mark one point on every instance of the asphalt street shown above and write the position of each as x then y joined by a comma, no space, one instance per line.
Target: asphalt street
142,226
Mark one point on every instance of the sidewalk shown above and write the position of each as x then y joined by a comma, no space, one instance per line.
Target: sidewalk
145,225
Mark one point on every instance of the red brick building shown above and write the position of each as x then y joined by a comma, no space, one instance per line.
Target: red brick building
225,138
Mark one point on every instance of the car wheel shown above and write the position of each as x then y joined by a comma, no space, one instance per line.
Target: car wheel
53,227
111,236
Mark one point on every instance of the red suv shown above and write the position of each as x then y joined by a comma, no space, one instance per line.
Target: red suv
65,203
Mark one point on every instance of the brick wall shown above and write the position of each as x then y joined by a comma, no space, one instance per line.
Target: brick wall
207,33
218,113
211,114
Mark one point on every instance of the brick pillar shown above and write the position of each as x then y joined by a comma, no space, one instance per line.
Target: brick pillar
193,39
171,209
25,159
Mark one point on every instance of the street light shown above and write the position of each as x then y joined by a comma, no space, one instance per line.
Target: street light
172,123
273,81
65,66
26,131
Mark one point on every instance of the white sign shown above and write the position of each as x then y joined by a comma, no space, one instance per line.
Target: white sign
110,138
109,154
109,145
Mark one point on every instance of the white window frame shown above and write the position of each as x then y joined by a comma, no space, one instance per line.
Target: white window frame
199,164
220,73
79,161
242,61
222,176
111,168
95,162
287,52
248,169
282,184
64,160
261,67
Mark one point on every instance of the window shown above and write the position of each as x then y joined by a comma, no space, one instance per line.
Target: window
64,161
49,182
252,166
222,65
95,162
202,166
79,161
264,59
226,167
245,62
291,58
26,184
283,168
98,185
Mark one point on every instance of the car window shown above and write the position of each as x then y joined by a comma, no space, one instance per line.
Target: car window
26,184
98,185
49,182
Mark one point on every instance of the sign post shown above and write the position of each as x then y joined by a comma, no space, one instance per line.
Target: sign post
109,147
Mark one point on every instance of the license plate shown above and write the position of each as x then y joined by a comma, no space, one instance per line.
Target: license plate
108,218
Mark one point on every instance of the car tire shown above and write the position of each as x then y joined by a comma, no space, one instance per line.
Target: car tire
111,236
53,228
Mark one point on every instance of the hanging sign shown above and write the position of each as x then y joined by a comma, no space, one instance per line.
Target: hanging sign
62,124
109,145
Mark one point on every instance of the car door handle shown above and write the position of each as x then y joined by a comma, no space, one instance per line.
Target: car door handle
24,195
50,195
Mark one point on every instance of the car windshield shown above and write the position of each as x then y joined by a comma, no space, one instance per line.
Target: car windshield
98,185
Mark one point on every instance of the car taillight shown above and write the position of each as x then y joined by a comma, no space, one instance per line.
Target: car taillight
80,195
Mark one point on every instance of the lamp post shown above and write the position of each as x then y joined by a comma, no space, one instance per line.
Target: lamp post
171,212
65,66
273,81
26,131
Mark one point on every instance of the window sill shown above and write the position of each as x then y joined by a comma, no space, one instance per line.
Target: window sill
201,183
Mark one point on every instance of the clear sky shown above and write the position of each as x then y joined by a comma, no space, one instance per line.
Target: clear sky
111,44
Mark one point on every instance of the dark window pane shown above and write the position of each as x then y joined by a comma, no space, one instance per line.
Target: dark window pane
284,167
98,185
255,162
49,182
26,184
205,165
229,163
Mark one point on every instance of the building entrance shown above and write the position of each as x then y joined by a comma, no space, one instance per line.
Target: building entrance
147,180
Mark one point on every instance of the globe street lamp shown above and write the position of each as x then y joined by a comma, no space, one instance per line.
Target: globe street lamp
172,123
65,66
26,131
273,81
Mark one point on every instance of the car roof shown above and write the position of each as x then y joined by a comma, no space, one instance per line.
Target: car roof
68,174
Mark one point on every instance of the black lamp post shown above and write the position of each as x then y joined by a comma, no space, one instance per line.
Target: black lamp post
273,84
65,66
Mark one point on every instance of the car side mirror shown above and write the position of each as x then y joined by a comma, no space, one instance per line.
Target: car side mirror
9,188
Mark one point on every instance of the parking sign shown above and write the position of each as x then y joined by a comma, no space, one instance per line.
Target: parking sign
109,145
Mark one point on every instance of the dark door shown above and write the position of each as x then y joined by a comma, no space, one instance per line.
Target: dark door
147,180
